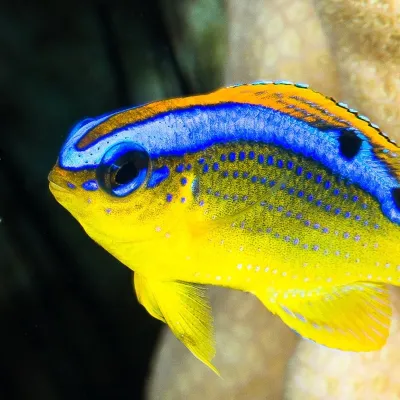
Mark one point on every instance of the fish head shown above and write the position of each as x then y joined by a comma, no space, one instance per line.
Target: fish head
112,183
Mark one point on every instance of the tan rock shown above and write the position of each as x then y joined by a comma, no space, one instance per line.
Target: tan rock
316,372
348,49
252,352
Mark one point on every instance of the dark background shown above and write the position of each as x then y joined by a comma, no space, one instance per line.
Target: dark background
70,324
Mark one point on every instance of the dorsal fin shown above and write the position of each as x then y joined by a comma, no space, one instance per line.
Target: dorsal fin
293,99
309,96
298,100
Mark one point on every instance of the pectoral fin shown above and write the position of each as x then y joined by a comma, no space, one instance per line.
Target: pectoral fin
185,308
353,317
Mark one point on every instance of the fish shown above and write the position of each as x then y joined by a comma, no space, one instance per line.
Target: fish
270,188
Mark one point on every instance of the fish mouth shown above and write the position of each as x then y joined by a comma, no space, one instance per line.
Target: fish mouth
56,182
58,191
54,186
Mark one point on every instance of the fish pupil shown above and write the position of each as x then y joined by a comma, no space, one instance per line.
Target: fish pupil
349,144
126,173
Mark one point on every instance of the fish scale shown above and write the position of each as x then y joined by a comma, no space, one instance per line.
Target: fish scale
270,188
343,246
234,187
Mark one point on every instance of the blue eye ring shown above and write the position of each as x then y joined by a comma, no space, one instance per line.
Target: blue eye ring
123,169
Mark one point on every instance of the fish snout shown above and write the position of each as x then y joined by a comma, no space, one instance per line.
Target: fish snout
58,180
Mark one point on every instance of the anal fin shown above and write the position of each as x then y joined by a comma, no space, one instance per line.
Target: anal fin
185,308
354,317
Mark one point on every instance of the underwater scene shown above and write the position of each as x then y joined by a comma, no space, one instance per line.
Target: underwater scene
200,199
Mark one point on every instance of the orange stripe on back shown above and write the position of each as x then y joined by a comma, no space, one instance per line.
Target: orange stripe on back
301,103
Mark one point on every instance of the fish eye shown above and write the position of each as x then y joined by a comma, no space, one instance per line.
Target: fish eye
123,169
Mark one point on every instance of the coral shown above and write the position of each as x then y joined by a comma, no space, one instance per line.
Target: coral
348,49
253,348
316,372
365,41
364,36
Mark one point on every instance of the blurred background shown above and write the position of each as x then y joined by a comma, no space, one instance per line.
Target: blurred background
70,323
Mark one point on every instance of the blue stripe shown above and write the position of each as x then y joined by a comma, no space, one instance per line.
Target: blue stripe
193,129
159,175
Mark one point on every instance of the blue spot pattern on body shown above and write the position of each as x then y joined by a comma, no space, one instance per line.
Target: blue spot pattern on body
90,185
260,124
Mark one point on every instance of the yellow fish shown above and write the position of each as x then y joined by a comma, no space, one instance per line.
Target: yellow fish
269,188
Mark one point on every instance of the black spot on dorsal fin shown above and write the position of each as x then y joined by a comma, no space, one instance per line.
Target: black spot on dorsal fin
396,197
349,143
